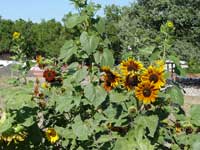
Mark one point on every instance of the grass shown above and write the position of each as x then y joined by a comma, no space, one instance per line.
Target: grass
10,95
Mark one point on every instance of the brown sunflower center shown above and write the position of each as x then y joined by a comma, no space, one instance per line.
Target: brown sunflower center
49,74
153,78
132,80
146,92
52,133
111,77
132,67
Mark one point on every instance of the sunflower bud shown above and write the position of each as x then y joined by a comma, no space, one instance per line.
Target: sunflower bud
18,128
132,110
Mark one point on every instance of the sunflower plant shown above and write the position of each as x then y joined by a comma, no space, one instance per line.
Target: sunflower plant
22,54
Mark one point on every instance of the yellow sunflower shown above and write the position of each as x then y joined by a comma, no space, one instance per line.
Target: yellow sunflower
155,75
111,79
131,80
51,135
130,65
146,91
39,59
16,35
170,24
45,85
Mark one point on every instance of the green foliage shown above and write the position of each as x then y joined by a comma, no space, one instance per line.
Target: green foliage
139,26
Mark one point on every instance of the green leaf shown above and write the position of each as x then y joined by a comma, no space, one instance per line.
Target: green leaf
98,57
68,50
80,74
89,43
65,132
176,95
74,20
6,125
117,97
100,26
100,96
103,139
147,50
95,94
73,66
80,129
90,92
196,145
175,59
195,114
123,144
63,103
150,122
107,59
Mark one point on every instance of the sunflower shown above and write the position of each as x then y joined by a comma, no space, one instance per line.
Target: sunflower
130,65
17,137
51,135
45,85
39,59
111,79
131,80
155,75
49,75
170,24
146,91
16,35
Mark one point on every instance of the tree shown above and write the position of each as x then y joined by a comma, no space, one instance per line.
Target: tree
140,24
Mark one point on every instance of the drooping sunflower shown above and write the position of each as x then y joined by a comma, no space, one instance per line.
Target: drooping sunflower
146,91
49,75
17,137
130,65
51,135
39,59
155,75
111,79
131,80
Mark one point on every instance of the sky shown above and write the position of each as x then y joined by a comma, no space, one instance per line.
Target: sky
36,10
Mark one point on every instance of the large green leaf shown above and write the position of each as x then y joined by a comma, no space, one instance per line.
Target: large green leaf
63,103
150,122
64,132
74,20
117,97
123,144
100,26
98,57
68,50
89,43
81,74
195,114
95,94
80,129
176,95
6,125
107,59
100,96
147,50
90,92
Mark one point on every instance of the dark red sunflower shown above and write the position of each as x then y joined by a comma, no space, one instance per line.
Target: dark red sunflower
49,75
